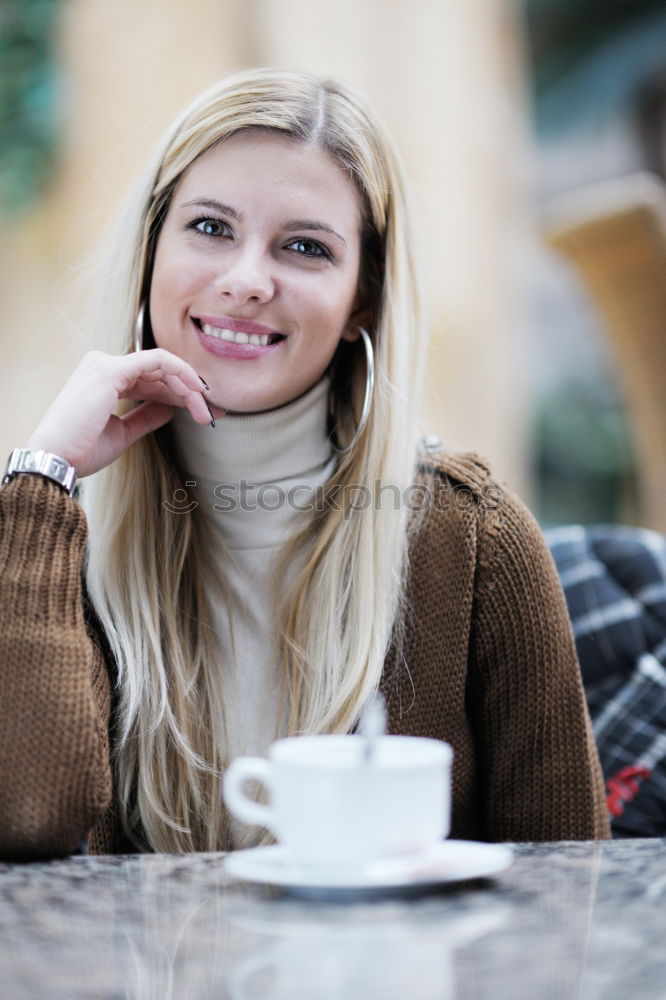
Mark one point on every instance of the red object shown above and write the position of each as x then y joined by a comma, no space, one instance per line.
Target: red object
623,787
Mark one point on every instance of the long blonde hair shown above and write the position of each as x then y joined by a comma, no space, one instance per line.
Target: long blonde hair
145,565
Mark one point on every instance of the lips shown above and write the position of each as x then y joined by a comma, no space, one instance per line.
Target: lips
238,344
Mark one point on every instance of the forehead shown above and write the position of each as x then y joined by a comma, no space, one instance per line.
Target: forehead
262,168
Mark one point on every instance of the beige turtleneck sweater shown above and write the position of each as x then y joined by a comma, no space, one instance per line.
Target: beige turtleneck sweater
250,474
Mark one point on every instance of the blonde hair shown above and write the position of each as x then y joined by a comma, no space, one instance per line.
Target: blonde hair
145,566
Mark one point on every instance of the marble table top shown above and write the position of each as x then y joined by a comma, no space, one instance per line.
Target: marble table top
573,920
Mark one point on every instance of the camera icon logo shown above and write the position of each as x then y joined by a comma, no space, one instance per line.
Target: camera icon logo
180,502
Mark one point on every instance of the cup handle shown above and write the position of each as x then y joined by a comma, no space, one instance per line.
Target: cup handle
244,769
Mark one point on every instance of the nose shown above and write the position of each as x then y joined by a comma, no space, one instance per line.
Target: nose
246,276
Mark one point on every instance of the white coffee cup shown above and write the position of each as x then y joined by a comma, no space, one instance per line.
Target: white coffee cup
330,807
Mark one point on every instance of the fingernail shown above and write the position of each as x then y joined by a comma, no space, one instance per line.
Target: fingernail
204,383
212,418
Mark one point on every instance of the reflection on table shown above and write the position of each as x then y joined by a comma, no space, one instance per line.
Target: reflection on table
581,921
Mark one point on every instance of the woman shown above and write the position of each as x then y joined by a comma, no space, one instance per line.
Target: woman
265,268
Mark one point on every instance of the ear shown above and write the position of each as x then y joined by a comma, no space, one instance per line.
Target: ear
361,317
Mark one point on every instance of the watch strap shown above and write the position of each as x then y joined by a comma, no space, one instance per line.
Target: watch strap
41,463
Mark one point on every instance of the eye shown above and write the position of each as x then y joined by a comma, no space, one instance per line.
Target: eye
309,248
210,227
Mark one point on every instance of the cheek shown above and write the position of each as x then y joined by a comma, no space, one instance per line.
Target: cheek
175,285
169,289
174,277
332,305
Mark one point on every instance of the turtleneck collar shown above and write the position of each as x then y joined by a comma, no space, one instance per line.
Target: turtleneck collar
287,447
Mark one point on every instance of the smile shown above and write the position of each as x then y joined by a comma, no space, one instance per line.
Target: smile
236,338
239,345
239,336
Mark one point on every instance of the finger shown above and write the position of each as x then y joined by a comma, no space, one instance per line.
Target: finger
177,385
156,365
160,369
144,418
172,392
194,401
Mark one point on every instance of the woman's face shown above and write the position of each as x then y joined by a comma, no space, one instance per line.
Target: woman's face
256,269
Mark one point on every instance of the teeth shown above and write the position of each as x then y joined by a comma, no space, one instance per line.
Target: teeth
236,338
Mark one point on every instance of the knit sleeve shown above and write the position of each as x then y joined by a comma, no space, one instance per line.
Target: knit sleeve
55,779
541,778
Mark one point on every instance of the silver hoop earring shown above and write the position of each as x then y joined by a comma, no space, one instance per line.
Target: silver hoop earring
367,397
138,327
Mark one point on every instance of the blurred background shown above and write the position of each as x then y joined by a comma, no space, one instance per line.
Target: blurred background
534,135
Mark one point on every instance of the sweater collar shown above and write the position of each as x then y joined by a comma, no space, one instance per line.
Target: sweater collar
291,442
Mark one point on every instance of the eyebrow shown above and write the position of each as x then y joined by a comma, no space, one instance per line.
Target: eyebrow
314,227
303,224
217,206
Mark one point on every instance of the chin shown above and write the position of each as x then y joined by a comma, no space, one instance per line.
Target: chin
245,405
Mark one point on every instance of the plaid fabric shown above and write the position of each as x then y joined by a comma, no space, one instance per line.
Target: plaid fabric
614,580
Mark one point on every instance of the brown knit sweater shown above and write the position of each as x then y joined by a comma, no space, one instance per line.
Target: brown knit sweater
488,664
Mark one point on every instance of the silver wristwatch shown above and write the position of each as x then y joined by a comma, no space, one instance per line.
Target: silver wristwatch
41,463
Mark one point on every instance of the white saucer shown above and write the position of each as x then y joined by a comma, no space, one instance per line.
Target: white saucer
447,861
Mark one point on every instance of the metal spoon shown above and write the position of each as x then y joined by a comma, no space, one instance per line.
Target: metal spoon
373,725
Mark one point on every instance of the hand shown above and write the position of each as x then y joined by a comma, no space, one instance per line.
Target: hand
80,425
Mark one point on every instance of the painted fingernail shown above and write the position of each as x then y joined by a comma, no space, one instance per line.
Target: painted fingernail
204,383
212,418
